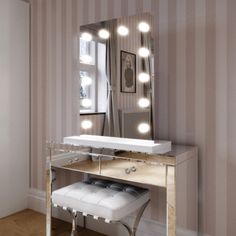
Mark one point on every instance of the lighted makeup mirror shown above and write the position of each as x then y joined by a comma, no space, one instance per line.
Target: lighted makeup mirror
117,77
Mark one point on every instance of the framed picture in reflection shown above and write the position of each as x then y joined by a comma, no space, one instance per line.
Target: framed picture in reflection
127,72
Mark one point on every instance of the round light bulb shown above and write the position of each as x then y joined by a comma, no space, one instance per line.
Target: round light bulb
144,77
86,36
143,102
143,128
86,59
143,52
123,30
86,81
104,34
86,124
86,102
144,27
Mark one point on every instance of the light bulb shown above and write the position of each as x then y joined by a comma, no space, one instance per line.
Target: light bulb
86,59
86,80
143,52
86,124
104,34
143,102
144,27
86,36
143,128
86,102
123,30
144,77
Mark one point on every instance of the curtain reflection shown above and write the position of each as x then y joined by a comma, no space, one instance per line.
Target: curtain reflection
111,126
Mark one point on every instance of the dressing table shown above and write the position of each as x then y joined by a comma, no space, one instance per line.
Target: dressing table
175,171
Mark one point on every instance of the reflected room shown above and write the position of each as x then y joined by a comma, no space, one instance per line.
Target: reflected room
117,77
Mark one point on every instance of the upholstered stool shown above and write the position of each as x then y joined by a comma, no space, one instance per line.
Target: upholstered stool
102,199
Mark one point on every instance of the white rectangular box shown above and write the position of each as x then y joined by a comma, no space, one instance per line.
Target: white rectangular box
126,144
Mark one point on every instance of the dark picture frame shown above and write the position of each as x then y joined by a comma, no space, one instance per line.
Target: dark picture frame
127,72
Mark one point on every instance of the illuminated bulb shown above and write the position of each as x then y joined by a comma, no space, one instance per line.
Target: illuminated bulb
143,128
144,77
86,124
86,102
104,34
85,81
123,30
144,27
143,52
143,102
86,59
86,36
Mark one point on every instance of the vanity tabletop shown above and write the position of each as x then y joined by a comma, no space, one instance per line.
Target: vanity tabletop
177,155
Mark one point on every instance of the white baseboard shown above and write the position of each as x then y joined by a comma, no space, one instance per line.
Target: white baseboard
147,227
36,200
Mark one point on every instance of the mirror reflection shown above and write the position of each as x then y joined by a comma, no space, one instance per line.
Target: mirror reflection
116,77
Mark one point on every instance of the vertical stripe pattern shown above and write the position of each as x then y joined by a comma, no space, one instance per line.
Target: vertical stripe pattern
195,76
231,112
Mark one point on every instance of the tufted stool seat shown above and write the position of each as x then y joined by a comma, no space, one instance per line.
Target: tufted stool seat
104,199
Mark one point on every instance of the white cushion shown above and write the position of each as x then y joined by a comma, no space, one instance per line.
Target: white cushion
102,198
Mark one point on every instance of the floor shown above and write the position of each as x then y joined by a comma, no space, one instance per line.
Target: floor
31,223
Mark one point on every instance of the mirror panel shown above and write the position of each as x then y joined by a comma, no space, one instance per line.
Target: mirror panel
117,76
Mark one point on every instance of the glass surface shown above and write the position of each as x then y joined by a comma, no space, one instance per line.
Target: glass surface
118,57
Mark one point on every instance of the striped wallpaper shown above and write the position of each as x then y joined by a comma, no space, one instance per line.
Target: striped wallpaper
196,100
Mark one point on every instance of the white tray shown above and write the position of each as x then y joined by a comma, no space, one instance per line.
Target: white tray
126,144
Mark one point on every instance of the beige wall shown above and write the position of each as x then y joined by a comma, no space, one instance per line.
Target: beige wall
195,64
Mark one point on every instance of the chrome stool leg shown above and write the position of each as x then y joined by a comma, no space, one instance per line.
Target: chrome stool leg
138,218
132,232
127,228
74,225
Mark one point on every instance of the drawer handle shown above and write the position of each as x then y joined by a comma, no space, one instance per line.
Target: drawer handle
128,170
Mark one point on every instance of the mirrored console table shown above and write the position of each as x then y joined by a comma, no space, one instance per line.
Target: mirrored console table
175,171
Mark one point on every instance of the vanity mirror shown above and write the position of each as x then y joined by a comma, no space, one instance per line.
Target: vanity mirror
117,77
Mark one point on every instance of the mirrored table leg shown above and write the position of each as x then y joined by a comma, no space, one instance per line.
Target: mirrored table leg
171,201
